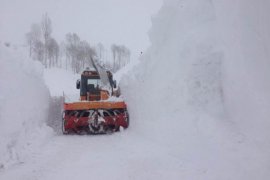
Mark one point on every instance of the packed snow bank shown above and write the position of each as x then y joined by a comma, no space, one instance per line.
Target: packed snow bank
24,101
201,97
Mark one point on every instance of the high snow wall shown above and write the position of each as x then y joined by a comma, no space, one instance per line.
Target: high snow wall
202,88
245,33
24,101
182,70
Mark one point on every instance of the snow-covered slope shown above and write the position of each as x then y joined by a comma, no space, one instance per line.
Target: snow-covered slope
24,101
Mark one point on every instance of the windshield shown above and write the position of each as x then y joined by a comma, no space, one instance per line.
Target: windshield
95,82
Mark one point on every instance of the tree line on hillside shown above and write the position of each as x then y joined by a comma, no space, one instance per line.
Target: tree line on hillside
73,53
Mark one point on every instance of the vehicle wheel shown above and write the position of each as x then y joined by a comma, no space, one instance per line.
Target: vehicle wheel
64,131
127,118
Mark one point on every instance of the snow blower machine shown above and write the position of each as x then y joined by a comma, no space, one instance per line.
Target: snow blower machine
100,109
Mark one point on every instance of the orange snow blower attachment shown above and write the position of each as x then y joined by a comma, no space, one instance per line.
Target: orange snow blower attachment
99,110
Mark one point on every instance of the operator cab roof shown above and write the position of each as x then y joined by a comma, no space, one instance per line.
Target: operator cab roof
90,72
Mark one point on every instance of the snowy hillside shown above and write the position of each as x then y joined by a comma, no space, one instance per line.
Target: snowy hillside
198,100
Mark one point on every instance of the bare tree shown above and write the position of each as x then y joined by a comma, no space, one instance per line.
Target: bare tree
42,46
78,53
114,49
72,42
53,52
62,53
101,50
46,27
121,56
38,51
125,52
32,37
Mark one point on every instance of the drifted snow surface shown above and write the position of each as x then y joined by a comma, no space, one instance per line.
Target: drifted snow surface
198,101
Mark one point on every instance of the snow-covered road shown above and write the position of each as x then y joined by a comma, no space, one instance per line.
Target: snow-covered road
124,155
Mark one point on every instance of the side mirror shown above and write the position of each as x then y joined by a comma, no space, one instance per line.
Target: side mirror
78,84
114,84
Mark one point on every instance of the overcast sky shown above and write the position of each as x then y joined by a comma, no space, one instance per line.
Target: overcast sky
107,21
